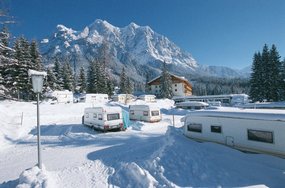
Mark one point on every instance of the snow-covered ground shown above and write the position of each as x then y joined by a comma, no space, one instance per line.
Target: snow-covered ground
145,155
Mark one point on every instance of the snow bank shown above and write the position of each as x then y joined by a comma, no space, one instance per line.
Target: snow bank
132,175
36,177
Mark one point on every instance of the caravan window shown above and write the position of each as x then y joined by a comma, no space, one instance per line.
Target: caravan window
194,127
155,113
113,116
87,115
94,115
216,129
100,117
132,112
260,136
145,113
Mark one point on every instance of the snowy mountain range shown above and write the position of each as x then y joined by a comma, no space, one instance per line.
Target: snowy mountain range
138,48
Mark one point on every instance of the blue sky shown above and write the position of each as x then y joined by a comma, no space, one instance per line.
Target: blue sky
215,32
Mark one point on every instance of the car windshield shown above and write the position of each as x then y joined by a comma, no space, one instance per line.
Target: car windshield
113,116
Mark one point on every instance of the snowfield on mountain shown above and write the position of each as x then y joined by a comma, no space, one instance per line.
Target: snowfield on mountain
137,47
145,155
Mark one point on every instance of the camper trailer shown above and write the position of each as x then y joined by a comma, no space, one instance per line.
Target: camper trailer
147,98
96,98
192,105
123,98
62,96
103,118
144,113
249,130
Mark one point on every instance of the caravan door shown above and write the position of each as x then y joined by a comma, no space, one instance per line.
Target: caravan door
230,141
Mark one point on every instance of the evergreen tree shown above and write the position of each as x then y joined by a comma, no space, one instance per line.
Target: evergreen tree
128,86
267,76
110,88
22,55
58,72
123,80
92,77
282,85
256,85
51,79
265,69
147,79
274,88
165,83
81,82
101,77
35,56
5,51
67,77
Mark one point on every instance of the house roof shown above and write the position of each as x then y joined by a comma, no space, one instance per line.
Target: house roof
173,76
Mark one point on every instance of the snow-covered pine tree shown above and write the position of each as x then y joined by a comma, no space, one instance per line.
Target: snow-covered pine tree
101,77
274,74
165,83
147,79
22,55
5,51
67,77
265,69
129,86
35,56
282,86
104,61
8,64
81,81
256,85
123,80
92,77
58,72
51,79
110,87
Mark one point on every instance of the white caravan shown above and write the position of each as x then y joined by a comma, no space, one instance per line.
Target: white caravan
249,130
62,96
192,105
123,98
147,113
103,118
147,98
96,98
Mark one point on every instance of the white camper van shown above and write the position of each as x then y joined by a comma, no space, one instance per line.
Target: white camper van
147,98
144,113
249,130
192,105
103,118
96,98
62,96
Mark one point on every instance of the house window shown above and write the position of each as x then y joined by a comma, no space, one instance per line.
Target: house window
216,129
155,86
94,115
100,117
175,85
175,90
194,127
260,136
145,113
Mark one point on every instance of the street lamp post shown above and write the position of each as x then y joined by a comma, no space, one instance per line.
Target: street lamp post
37,82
